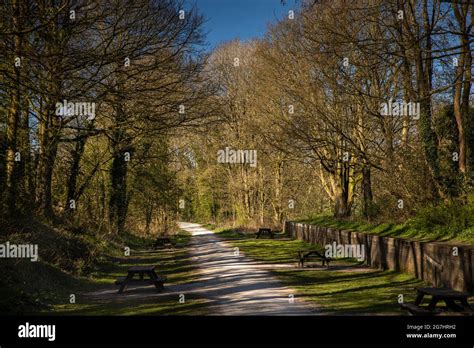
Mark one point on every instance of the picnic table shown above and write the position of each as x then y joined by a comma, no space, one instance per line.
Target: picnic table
264,232
141,271
449,296
304,255
162,241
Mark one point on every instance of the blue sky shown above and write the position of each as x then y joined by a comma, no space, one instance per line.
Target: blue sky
243,19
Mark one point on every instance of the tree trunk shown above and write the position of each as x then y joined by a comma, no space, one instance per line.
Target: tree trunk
342,207
366,188
76,155
277,205
343,191
13,118
469,112
26,165
424,72
148,217
48,146
462,84
118,192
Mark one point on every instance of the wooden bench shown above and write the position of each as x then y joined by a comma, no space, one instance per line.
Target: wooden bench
304,255
161,242
264,232
449,296
413,309
159,283
141,271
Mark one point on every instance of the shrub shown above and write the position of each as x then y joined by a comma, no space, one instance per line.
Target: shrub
448,219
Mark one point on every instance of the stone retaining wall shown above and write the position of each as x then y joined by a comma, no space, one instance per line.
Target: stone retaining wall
433,262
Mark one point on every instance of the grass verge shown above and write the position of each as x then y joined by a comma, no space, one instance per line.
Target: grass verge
101,298
46,286
348,290
434,224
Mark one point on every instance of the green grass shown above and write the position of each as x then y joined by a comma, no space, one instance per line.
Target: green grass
427,226
166,306
209,226
278,250
365,292
174,263
347,291
44,288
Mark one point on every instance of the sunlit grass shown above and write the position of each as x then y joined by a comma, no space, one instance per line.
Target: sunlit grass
365,292
167,305
278,250
417,228
353,291
174,263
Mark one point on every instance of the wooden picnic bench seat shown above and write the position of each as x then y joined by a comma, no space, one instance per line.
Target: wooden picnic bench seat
120,280
141,271
304,255
264,232
449,296
162,241
160,281
413,309
141,268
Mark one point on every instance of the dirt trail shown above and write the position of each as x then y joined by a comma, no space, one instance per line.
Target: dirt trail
230,284
236,285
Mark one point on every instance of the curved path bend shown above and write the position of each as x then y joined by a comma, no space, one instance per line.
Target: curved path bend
234,284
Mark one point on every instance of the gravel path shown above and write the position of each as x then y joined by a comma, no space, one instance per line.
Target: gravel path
236,285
